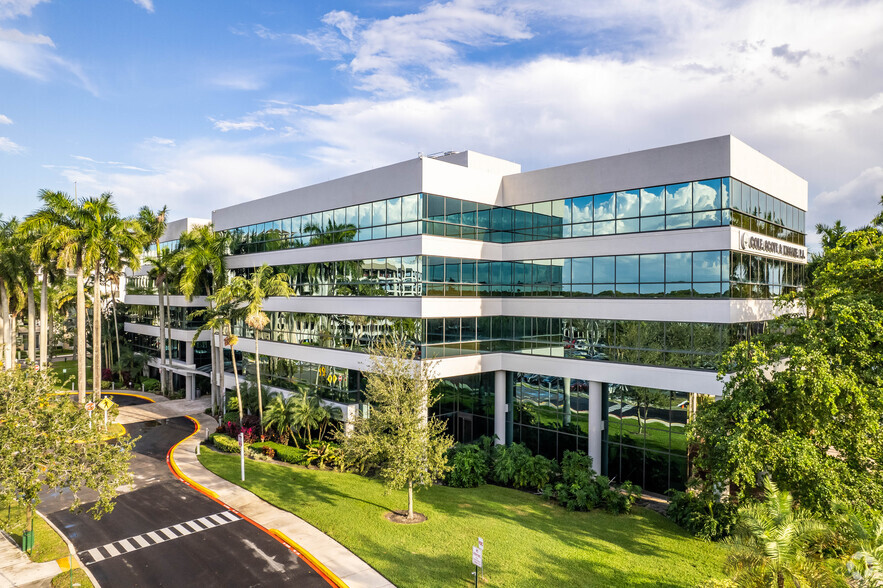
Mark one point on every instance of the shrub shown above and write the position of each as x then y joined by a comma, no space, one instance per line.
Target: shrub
319,453
534,472
151,385
284,453
702,515
249,427
508,461
225,443
618,500
470,466
106,375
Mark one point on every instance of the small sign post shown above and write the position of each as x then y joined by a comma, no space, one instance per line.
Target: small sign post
476,560
90,406
105,405
481,548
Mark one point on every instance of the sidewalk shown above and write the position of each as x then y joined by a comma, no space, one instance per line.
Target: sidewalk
17,569
339,560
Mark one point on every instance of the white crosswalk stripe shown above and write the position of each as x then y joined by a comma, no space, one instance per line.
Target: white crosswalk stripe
122,546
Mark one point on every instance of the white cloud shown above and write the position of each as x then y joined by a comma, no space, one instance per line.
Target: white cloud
192,179
159,142
14,8
238,81
145,4
802,83
33,55
5,120
854,203
242,125
7,146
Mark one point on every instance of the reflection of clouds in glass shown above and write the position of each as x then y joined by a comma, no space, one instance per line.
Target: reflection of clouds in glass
582,209
627,204
706,196
678,198
706,266
652,201
604,207
409,207
394,210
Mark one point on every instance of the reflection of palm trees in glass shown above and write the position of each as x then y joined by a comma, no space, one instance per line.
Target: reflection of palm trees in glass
323,277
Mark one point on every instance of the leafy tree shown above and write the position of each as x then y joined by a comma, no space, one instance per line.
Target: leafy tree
220,318
48,441
281,416
399,438
802,402
772,544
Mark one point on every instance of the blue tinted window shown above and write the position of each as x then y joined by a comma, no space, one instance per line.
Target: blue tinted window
653,268
678,267
604,207
707,195
711,218
653,201
706,266
581,210
653,223
627,204
605,228
582,270
364,216
410,207
393,210
626,269
678,221
604,269
725,193
678,198
435,207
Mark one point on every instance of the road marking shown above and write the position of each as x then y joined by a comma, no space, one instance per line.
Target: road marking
122,546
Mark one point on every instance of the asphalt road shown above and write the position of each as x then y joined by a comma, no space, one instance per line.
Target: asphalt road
164,533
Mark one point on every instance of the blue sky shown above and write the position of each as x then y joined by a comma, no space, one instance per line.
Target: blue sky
199,105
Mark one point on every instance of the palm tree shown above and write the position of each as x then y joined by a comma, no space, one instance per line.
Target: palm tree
220,317
281,416
252,291
203,258
43,255
162,266
13,264
62,224
153,225
770,547
111,240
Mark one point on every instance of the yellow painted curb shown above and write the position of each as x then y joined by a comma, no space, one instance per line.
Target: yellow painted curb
178,471
65,564
307,555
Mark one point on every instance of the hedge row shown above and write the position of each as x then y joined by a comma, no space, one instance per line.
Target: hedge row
281,452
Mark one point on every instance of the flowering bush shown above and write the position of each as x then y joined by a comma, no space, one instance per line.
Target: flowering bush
250,429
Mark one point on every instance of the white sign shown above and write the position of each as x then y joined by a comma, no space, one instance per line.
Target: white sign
90,406
476,556
481,543
768,246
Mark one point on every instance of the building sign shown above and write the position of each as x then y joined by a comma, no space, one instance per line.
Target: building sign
752,242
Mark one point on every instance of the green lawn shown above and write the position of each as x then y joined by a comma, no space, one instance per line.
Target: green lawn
528,541
71,376
48,546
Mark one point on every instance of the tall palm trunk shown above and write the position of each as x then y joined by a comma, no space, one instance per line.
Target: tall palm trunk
5,319
236,379
222,373
81,332
160,284
257,371
32,318
96,333
44,320
116,327
169,339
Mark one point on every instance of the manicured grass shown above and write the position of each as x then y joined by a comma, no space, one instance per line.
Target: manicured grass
48,546
528,541
71,376
63,580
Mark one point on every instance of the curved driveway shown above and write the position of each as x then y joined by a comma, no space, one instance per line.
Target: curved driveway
164,533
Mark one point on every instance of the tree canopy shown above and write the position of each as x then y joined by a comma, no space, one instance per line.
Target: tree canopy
803,401
47,440
398,438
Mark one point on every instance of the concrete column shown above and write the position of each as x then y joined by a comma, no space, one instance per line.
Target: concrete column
189,387
500,406
595,424
566,401
188,353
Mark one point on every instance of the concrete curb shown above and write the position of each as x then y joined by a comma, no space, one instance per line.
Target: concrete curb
72,550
